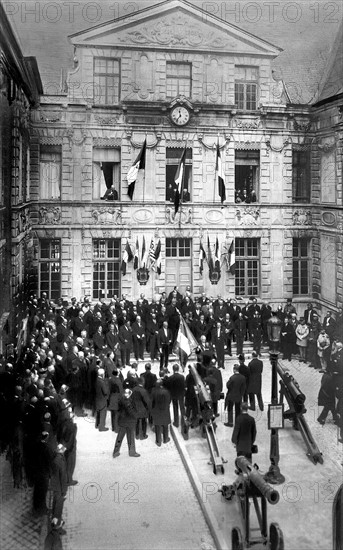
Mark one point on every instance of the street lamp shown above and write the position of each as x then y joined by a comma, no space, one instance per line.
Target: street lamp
275,411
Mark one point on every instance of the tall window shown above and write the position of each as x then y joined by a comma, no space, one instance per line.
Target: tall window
50,172
301,265
173,157
106,263
106,174
246,82
301,175
247,167
50,268
247,267
106,81
179,79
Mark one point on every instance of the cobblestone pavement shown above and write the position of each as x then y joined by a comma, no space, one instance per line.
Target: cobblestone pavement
19,529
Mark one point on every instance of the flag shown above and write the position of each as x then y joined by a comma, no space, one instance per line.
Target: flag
232,257
145,254
136,257
185,340
132,174
202,257
127,257
209,256
158,258
179,180
152,257
220,176
216,256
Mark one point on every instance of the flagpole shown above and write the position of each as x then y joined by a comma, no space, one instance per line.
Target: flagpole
215,170
146,134
183,184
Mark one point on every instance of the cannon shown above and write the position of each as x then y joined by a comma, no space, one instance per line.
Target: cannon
206,420
296,401
250,486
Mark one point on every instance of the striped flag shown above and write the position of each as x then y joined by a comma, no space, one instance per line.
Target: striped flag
152,256
216,256
179,180
220,176
132,174
127,257
202,257
209,255
232,257
185,340
136,256
158,258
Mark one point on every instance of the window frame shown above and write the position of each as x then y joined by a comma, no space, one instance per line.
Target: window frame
244,83
298,260
97,86
255,164
171,166
178,244
296,178
105,258
52,150
245,259
50,260
98,181
178,79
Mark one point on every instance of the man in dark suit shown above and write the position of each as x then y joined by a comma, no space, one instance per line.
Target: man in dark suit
160,412
240,327
59,484
101,397
244,369
138,338
127,419
309,313
236,386
125,343
329,324
255,381
164,339
176,386
244,433
218,341
215,381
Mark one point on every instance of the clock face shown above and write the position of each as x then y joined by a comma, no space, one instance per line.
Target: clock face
180,116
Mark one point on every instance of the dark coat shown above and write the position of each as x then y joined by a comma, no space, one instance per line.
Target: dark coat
255,376
326,395
101,393
244,433
141,400
160,406
244,369
116,390
58,480
127,417
175,384
235,388
150,380
162,339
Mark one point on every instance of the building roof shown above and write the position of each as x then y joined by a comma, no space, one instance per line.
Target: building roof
306,37
332,81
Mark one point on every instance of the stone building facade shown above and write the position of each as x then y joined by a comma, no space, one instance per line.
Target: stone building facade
20,89
282,164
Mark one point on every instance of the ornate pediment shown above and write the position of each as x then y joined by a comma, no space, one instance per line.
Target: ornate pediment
174,25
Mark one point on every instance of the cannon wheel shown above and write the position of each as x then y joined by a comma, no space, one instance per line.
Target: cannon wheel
236,539
275,537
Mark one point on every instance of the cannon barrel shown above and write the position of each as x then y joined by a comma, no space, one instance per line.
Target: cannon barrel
204,394
292,387
245,466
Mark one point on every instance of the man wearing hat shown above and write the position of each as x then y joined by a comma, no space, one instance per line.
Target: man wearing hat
244,433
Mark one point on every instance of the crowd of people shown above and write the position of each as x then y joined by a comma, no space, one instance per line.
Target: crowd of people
74,355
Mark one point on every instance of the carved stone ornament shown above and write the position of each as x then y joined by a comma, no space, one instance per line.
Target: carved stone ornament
327,147
24,221
247,215
184,215
302,217
107,215
303,126
49,215
176,32
50,117
105,120
244,124
106,142
76,136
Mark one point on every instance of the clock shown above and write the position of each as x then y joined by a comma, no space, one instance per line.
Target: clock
180,115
